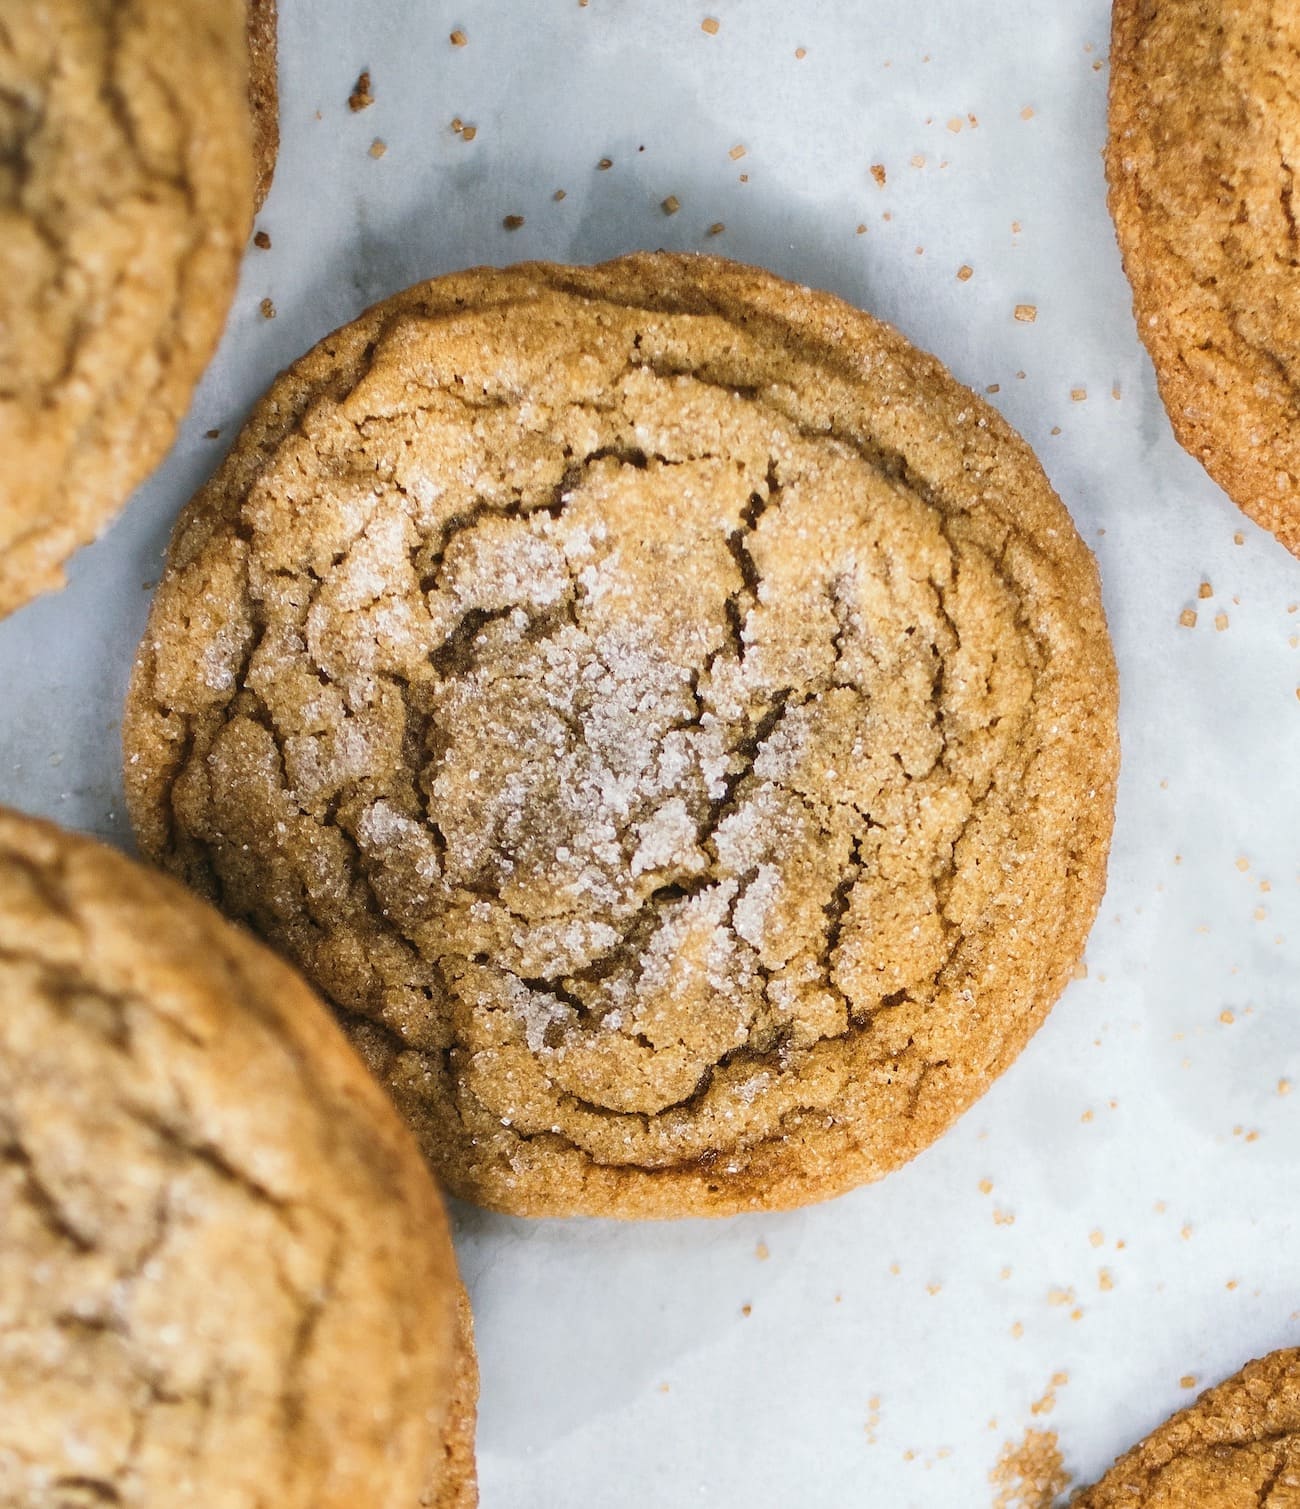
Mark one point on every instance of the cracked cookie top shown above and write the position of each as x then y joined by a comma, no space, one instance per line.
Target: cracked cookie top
125,198
670,718
1237,1447
225,1275
1204,144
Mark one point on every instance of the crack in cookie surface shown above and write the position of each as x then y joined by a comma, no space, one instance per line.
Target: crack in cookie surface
630,748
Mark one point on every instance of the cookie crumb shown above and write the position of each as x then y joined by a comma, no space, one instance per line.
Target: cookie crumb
361,98
986,1186
468,133
965,273
1104,1280
801,52
1284,1087
717,228
1239,538
1187,618
268,309
558,195
736,153
878,173
1188,1380
1031,1475
762,1252
1205,590
215,434
994,387
861,230
671,205
955,124
1026,313
262,241
1077,395
746,1310
604,165
513,222
1220,622
1027,113
378,148
458,38
711,25
917,159
1097,1237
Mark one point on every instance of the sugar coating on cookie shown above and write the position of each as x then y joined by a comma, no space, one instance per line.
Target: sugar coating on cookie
1237,1447
126,194
226,1277
1204,117
671,719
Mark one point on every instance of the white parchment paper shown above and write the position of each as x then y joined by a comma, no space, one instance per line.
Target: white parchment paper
1140,1226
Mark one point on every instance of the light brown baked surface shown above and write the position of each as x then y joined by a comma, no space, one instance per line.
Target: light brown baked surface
1237,1447
671,719
1204,135
263,94
226,1278
125,200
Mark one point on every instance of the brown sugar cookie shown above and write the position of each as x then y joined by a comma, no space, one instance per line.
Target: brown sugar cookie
263,94
1204,116
669,716
125,201
226,1277
1237,1447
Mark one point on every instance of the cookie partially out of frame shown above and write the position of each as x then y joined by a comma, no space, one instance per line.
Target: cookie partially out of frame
263,94
669,716
226,1278
1237,1447
125,202
1204,115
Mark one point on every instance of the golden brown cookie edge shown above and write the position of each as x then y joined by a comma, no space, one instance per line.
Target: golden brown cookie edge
1243,1399
263,94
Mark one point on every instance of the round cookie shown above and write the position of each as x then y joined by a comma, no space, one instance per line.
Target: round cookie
125,201
671,719
1204,121
1237,1447
226,1277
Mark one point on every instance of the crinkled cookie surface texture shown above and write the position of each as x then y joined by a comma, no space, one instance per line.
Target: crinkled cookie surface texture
671,719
